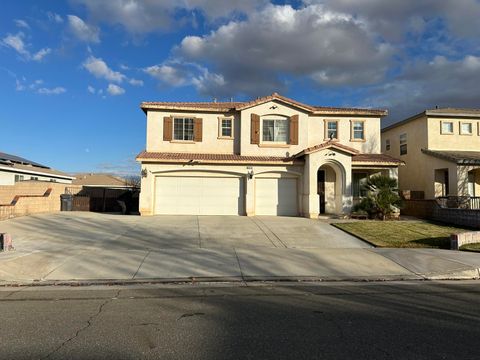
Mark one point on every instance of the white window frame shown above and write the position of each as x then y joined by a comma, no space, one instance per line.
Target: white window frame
176,118
275,120
327,130
353,131
442,131
220,127
403,142
466,123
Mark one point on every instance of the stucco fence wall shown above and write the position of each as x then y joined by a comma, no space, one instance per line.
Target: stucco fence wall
32,197
429,209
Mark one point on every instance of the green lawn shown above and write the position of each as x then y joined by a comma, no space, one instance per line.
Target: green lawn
402,234
471,247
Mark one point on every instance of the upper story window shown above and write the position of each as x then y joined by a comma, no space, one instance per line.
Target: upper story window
275,130
403,144
387,144
225,128
358,130
183,129
19,178
447,127
332,130
466,128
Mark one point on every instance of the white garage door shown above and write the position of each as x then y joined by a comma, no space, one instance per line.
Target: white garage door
199,195
276,197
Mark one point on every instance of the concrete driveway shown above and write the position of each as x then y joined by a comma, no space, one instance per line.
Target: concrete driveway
115,232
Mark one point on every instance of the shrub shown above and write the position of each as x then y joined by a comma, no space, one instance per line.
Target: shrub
382,198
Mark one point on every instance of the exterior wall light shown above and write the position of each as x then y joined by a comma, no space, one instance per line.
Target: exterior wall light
250,173
144,173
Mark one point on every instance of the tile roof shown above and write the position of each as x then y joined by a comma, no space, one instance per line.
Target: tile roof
327,145
220,158
99,179
238,106
458,157
376,158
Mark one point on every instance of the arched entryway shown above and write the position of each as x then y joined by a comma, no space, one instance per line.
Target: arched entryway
330,188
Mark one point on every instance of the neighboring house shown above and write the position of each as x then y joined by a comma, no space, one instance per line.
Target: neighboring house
441,149
14,169
100,180
270,156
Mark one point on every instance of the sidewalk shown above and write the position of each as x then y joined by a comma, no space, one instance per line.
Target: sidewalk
94,265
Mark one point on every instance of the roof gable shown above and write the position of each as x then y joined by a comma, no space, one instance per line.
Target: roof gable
331,144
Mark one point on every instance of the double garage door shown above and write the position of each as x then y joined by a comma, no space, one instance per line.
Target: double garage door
192,195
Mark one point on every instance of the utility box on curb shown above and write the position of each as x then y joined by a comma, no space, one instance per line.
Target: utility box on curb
6,243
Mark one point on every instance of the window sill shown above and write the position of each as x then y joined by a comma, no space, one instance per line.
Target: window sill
471,134
446,133
273,145
225,138
358,140
182,142
328,139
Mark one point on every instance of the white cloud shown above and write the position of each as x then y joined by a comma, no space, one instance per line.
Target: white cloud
53,91
22,24
143,16
253,55
83,31
135,82
16,42
91,89
38,56
100,69
115,90
54,17
168,74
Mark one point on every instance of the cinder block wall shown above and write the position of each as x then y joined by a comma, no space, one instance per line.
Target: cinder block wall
32,205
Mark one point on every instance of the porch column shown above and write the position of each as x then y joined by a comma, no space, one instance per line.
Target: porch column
347,196
311,203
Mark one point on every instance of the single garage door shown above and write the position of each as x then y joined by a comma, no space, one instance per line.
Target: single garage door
182,195
276,197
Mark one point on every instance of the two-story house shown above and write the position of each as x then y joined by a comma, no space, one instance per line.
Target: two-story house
441,150
269,156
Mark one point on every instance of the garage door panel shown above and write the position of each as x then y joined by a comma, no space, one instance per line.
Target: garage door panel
276,196
199,195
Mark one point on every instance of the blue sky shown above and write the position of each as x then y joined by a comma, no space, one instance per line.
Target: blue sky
73,73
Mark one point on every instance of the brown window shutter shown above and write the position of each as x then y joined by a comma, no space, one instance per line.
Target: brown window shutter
167,128
197,130
255,129
294,130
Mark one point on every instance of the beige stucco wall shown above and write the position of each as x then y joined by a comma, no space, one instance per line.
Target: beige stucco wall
311,131
413,175
210,140
455,141
147,195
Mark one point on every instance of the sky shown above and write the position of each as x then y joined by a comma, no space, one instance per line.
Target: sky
73,73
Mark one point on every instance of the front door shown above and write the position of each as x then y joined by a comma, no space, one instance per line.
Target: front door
321,189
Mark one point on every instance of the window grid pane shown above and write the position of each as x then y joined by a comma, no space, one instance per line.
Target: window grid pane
178,129
268,130
466,128
188,129
332,130
280,130
358,130
447,127
226,127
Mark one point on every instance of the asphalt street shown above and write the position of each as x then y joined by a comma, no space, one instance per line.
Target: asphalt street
337,320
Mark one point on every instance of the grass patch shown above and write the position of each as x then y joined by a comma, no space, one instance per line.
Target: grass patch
402,234
471,247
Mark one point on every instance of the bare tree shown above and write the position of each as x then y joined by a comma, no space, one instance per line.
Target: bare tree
133,181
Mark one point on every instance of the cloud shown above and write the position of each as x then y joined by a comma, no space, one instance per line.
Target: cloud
54,17
253,55
426,84
91,89
144,16
172,75
53,91
83,31
38,56
100,69
22,24
115,90
16,42
135,82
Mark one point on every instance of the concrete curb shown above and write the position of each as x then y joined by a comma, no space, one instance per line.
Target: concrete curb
473,274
